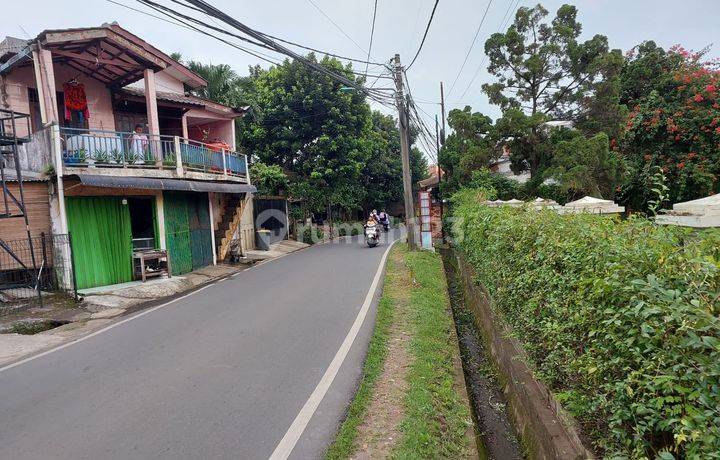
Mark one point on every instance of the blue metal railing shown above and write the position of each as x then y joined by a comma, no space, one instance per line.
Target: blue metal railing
98,148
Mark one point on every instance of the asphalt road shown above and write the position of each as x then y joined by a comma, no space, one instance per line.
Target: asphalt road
222,373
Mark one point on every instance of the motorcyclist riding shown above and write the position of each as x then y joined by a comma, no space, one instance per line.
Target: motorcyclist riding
372,229
384,220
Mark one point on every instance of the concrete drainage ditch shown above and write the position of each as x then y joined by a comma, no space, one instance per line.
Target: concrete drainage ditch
544,428
496,436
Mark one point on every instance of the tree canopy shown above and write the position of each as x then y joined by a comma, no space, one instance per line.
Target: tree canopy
310,140
676,126
540,66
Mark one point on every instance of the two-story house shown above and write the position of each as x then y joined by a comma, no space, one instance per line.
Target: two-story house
131,158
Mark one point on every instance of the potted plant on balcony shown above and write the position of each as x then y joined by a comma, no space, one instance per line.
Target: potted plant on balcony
82,156
76,156
101,157
116,157
131,157
149,157
72,157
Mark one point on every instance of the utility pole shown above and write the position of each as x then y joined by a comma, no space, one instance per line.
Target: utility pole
439,171
442,111
405,153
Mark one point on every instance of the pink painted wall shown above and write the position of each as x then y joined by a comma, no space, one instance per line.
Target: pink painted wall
163,83
217,130
98,95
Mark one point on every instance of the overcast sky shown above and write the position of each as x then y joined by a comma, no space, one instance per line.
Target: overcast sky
399,27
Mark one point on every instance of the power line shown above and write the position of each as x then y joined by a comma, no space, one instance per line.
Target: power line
177,16
467,55
181,23
337,26
372,33
427,29
424,133
291,42
502,26
324,52
211,11
150,14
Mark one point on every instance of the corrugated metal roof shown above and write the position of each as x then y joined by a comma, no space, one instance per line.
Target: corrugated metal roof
11,46
163,184
166,96
27,176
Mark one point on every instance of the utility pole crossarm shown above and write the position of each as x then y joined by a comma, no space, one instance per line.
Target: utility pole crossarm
405,154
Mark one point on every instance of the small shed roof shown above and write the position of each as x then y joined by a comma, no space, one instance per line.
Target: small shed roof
710,205
593,205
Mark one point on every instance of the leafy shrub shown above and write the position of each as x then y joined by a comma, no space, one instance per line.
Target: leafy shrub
349,228
621,319
506,188
311,234
548,191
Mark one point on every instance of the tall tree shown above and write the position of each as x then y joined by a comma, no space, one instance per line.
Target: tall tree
469,147
586,166
602,110
315,132
223,83
648,68
543,71
382,173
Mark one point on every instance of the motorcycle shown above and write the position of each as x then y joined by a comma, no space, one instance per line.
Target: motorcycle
372,234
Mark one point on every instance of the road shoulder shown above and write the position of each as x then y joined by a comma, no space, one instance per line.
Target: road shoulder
411,401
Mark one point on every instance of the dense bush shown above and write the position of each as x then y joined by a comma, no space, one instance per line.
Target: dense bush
349,228
675,127
310,234
621,319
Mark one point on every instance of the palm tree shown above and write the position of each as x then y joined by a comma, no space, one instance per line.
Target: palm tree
223,83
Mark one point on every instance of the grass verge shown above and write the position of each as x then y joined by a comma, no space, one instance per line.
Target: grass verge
436,418
344,444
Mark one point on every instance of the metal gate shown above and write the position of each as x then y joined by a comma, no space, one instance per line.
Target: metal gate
187,231
177,232
270,213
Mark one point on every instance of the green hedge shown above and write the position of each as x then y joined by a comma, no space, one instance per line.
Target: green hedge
311,234
621,319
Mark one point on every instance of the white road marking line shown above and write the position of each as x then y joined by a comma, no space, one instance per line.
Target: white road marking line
288,442
100,331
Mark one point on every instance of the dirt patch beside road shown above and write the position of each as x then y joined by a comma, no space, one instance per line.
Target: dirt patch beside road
378,433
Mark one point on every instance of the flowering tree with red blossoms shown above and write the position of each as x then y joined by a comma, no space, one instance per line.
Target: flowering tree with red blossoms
677,129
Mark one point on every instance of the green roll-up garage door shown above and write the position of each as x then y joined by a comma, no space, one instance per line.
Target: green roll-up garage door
102,240
177,232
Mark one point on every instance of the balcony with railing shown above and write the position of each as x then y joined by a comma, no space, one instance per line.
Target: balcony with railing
179,157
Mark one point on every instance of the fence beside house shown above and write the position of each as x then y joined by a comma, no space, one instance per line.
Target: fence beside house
51,272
